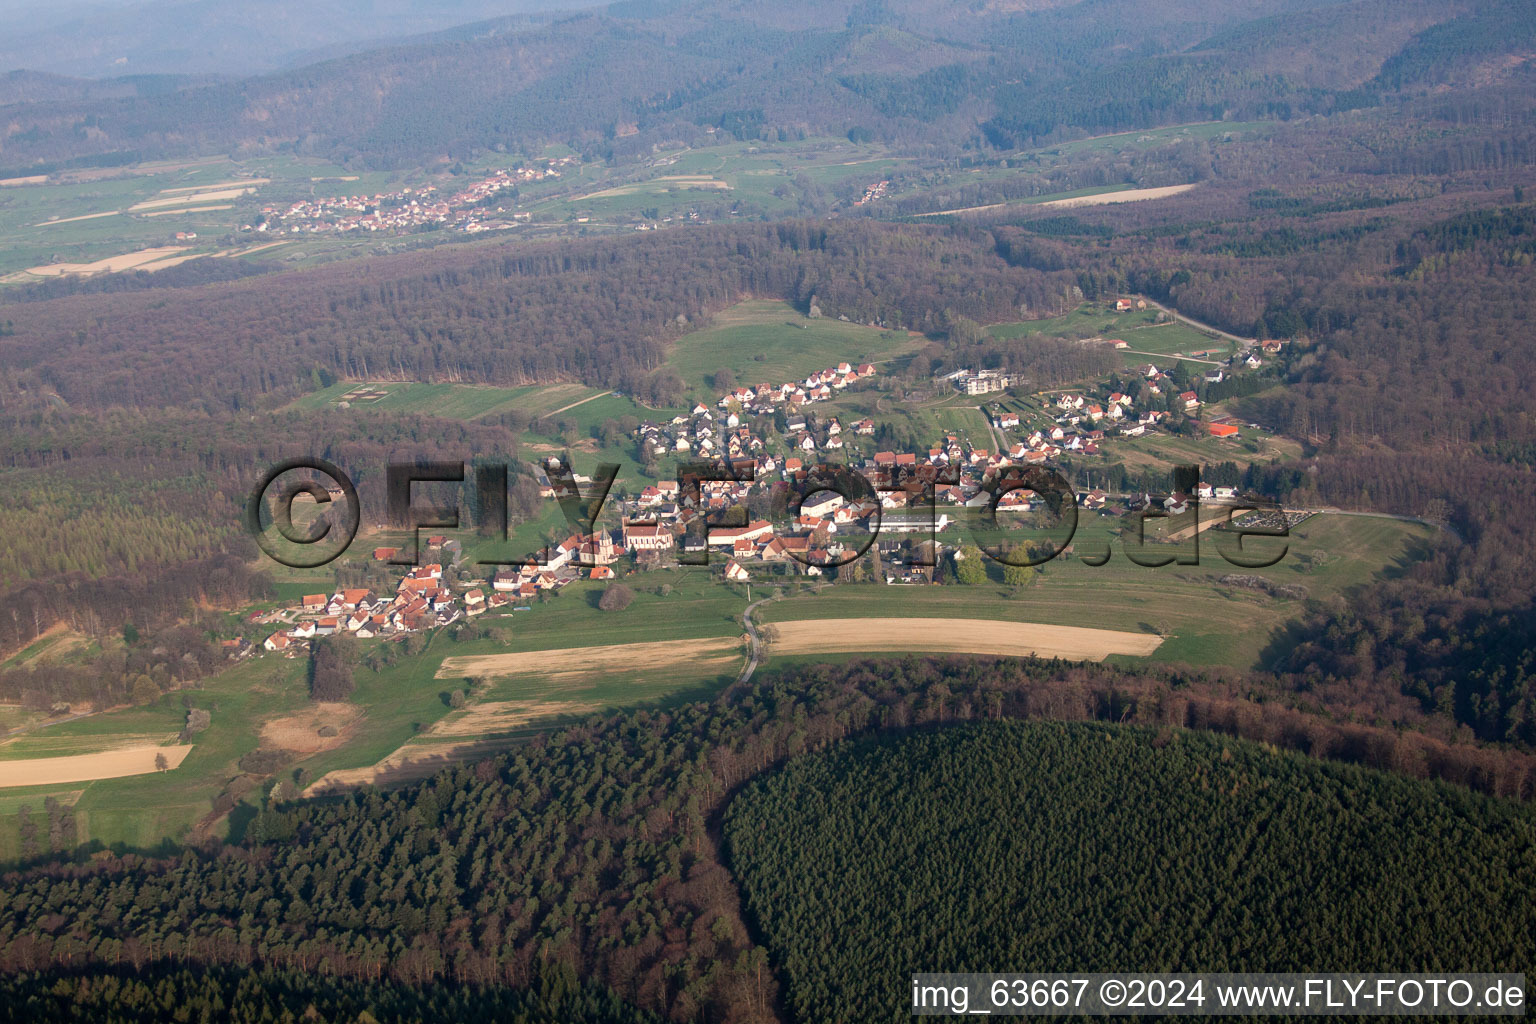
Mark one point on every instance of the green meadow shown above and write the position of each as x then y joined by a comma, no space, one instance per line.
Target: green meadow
768,341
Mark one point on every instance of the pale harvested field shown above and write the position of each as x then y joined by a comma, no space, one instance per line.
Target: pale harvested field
1131,195
248,252
669,181
493,716
412,761
110,265
300,732
958,636
189,209
31,179
71,220
572,661
114,764
195,196
247,182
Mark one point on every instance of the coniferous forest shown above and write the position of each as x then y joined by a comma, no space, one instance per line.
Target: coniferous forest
598,849
1005,846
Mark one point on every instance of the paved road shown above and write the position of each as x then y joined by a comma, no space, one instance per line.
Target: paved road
1246,343
754,656
997,440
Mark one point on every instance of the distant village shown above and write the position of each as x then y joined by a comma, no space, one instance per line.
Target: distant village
409,209
770,435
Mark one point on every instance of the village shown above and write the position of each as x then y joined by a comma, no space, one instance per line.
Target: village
770,443
409,209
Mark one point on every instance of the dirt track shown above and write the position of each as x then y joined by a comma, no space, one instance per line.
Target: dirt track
111,764
958,636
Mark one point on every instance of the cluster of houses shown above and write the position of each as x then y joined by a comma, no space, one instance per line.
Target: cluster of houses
422,600
402,210
873,192
723,432
818,387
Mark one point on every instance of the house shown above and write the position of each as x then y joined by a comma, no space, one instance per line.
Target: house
1123,305
728,536
1253,362
735,573
601,572
1117,343
384,554
315,602
821,504
1271,345
276,642
1190,399
1008,420
474,599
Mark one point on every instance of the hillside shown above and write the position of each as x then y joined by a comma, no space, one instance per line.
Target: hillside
97,39
623,78
1048,847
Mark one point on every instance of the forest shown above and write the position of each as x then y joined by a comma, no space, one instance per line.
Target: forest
596,849
122,995
1021,847
488,314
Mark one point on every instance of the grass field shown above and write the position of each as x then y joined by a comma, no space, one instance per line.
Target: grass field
1140,329
770,341
1201,620
1161,452
449,401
